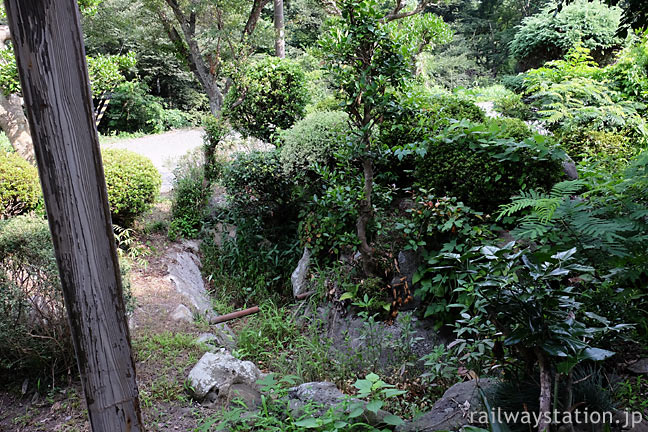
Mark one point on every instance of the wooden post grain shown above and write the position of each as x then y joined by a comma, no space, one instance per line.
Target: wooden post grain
48,44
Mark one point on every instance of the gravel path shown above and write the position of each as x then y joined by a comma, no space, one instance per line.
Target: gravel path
164,150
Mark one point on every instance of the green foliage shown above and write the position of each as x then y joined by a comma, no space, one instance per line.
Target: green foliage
133,109
133,184
572,95
628,393
34,330
607,225
615,148
190,194
419,114
629,73
452,67
29,284
20,190
482,167
511,128
106,72
513,106
549,35
257,189
216,129
263,211
346,416
270,95
312,140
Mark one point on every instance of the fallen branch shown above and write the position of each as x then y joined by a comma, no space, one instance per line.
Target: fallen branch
234,315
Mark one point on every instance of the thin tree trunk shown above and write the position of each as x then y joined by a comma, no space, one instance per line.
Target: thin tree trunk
15,125
365,215
48,44
545,392
280,31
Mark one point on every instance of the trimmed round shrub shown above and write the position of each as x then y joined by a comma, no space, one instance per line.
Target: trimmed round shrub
549,35
313,140
272,95
20,189
512,128
463,168
133,184
599,144
34,329
258,190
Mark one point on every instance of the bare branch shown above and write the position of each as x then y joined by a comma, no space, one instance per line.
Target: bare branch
396,13
331,7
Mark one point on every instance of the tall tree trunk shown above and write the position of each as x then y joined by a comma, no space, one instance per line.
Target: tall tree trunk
14,124
365,215
280,30
48,44
545,391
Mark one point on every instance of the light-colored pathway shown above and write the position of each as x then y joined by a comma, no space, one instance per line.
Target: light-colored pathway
164,150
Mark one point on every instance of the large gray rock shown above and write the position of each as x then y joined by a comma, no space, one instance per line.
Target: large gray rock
387,346
216,373
639,367
326,395
454,410
222,336
182,313
569,168
184,272
299,275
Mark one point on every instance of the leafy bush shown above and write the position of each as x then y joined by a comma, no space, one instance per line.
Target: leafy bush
417,113
216,128
133,109
190,194
312,140
513,106
133,184
483,168
601,145
512,128
258,191
20,190
271,95
549,35
629,73
572,95
34,330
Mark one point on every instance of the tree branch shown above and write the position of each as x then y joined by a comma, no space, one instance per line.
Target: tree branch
253,18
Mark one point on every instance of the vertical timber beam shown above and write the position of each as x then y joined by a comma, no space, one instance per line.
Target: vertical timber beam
48,44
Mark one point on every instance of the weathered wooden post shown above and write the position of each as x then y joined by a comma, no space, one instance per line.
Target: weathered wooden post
48,44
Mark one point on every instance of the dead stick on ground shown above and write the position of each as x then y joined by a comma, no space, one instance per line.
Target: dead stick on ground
234,315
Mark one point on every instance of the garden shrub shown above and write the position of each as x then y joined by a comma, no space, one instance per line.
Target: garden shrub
133,184
190,194
513,106
512,128
483,169
598,144
312,140
549,35
34,330
274,97
216,129
257,263
133,109
20,190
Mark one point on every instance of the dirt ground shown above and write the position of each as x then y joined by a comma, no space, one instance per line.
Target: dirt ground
164,353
